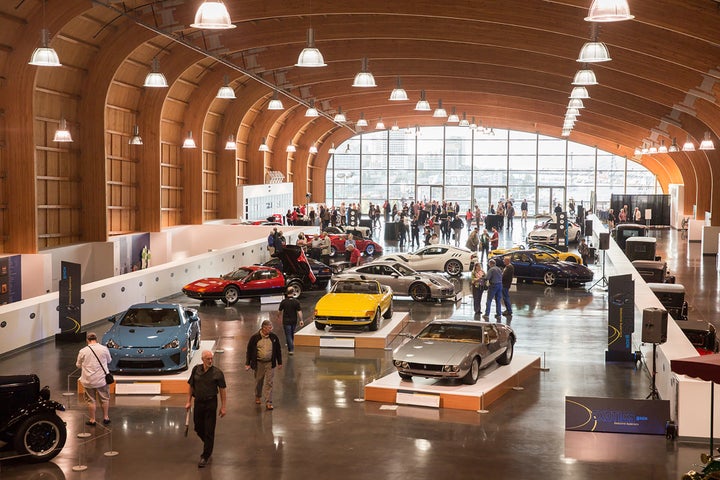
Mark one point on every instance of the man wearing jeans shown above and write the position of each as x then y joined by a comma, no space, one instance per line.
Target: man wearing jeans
263,355
291,313
494,278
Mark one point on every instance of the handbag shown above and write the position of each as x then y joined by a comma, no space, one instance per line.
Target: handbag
109,379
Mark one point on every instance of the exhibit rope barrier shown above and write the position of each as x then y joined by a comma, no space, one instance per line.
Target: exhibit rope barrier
68,392
80,467
543,367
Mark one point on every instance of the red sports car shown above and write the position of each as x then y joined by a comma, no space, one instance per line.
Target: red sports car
337,244
252,281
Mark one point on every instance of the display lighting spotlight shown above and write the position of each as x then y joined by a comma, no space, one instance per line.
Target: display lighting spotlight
212,15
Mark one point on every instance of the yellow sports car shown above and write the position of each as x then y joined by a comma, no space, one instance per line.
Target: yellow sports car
541,247
354,303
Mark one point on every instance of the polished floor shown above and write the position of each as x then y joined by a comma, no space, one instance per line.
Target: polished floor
321,428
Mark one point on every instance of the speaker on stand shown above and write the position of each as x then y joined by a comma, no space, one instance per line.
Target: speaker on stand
604,245
654,330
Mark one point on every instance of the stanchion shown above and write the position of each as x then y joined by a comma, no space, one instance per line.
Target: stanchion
84,434
80,467
518,387
69,393
544,368
111,452
482,404
359,398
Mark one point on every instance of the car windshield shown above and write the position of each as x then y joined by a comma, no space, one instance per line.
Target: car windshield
356,287
238,274
151,317
452,332
545,258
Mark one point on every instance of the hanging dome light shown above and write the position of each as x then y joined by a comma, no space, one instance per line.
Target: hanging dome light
155,79
364,79
609,11
440,111
263,146
379,125
313,149
594,52
62,134
291,148
189,142
44,55
212,15
579,92
276,103
398,94
310,56
453,117
707,143
312,111
230,144
340,116
585,77
226,92
688,146
135,139
576,103
331,150
422,105
361,121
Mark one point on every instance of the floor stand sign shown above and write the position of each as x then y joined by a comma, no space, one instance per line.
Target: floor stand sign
69,303
621,319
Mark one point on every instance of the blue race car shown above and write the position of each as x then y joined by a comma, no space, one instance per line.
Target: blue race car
153,338
537,266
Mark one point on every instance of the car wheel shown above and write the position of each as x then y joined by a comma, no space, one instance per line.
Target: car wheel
474,373
454,268
419,292
405,376
40,436
375,321
550,278
577,237
369,248
320,326
293,290
231,295
507,356
188,357
333,251
389,311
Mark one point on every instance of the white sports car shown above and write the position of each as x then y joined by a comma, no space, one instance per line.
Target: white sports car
547,233
437,258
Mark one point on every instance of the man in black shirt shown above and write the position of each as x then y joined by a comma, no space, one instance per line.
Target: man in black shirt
206,381
507,277
291,314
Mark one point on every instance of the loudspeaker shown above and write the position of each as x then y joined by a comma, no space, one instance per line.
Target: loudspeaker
353,217
561,227
603,240
654,325
588,227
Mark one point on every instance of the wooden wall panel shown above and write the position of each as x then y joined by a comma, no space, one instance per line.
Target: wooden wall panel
171,171
210,185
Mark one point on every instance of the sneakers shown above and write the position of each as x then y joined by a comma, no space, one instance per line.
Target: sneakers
507,314
106,421
486,317
90,424
203,462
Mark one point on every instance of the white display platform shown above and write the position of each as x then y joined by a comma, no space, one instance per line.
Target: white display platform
338,337
494,382
157,384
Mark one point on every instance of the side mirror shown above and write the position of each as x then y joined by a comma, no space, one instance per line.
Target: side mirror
112,319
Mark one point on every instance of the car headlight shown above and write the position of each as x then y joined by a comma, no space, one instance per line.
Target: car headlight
370,313
451,368
400,364
112,344
174,344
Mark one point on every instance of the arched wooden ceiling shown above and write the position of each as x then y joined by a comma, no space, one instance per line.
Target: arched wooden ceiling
507,63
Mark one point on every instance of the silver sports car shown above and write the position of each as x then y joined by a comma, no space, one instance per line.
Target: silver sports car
403,280
455,349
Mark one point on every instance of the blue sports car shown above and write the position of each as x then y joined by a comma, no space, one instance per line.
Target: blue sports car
534,265
153,338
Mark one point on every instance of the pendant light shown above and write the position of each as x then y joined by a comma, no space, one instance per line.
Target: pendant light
312,111
576,103
231,145
662,148
226,90
440,111
313,149
609,11
62,134
422,105
135,139
364,79
189,142
155,79
398,94
395,127
291,148
585,77
379,125
673,148
688,146
707,143
340,116
44,55
579,92
310,56
361,121
594,52
263,146
212,15
276,103
453,117
331,150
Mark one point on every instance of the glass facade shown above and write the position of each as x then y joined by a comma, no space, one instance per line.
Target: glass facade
458,164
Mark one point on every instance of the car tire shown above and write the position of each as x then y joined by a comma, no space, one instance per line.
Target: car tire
370,249
577,237
294,290
320,326
453,268
40,436
419,292
550,279
231,295
373,326
333,251
507,355
405,376
474,373
389,312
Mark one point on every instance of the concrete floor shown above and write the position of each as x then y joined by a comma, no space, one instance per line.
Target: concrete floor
321,428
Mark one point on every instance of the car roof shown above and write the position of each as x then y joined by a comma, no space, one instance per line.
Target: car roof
156,305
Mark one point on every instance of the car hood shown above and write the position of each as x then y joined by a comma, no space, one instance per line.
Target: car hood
434,351
142,336
206,282
344,304
572,267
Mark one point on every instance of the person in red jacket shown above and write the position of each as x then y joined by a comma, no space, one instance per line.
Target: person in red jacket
355,257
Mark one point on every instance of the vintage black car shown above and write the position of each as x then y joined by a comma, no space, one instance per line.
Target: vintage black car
29,423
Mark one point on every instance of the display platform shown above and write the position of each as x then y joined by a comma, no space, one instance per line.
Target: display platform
157,384
494,382
338,337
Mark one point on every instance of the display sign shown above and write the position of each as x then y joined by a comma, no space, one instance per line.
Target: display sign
10,281
621,318
616,415
561,234
69,299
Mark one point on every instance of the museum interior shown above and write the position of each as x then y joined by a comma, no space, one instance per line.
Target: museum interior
146,144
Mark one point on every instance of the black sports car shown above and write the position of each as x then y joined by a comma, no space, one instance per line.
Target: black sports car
322,272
